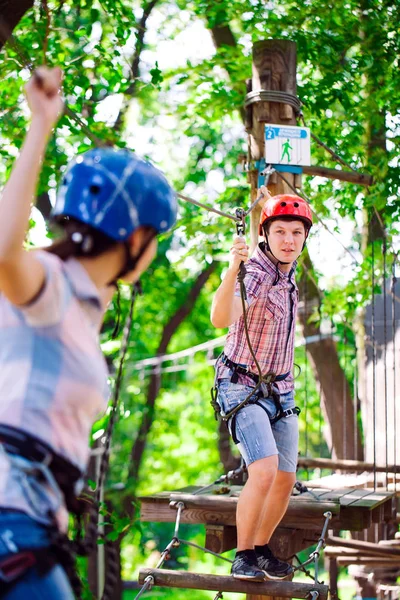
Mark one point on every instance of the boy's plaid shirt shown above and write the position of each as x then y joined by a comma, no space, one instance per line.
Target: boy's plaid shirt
271,318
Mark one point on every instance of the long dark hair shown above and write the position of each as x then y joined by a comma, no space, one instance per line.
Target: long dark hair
80,239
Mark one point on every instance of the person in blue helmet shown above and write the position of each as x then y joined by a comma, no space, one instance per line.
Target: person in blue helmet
53,376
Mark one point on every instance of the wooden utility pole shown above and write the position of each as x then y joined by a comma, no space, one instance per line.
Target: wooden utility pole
274,68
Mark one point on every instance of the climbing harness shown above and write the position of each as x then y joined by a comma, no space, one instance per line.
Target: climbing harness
264,387
67,476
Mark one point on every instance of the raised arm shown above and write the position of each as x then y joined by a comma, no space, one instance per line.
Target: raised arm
21,274
226,307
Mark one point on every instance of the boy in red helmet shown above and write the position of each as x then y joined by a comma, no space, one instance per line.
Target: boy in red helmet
266,428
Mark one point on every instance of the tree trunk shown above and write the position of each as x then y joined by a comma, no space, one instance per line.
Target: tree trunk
170,329
336,395
135,62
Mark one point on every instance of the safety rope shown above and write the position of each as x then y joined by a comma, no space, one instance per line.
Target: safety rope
206,550
393,291
91,537
273,96
373,357
355,398
228,477
264,95
85,546
303,195
344,414
385,381
176,541
27,63
306,438
262,379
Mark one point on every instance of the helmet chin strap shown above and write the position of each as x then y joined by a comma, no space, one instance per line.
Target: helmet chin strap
132,261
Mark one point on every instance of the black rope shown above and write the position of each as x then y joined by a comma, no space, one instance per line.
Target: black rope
303,195
89,542
393,290
373,359
273,96
334,154
320,390
305,291
344,393
355,400
332,326
384,252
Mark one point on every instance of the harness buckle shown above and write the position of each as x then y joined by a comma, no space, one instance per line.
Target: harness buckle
217,409
269,378
11,568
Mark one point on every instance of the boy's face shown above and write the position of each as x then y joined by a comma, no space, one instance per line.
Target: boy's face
286,239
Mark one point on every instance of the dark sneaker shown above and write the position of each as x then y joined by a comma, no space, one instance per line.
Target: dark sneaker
272,566
244,567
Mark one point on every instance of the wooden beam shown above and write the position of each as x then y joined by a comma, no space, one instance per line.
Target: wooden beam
345,465
371,562
220,510
350,176
274,68
375,549
220,538
344,552
218,583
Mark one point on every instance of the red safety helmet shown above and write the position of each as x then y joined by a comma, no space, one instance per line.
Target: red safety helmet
286,205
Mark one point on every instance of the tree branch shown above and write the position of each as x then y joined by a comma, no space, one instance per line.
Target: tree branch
134,68
155,380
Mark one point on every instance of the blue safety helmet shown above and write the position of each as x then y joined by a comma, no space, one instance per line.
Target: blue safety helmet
116,192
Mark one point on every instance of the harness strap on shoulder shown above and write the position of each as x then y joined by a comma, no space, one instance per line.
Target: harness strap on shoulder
21,443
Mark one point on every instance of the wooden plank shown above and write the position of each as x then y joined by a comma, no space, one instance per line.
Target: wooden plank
219,583
345,465
221,510
372,563
337,551
336,495
376,549
298,518
372,500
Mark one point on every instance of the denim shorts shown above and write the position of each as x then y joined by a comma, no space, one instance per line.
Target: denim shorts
256,438
19,532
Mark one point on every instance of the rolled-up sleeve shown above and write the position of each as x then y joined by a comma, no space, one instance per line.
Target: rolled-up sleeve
48,307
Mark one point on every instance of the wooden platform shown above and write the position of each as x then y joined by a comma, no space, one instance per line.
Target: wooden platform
352,509
218,583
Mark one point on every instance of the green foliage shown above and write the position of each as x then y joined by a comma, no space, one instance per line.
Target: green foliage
348,80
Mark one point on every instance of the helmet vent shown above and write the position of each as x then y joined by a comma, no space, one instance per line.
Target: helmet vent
296,204
94,189
283,203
